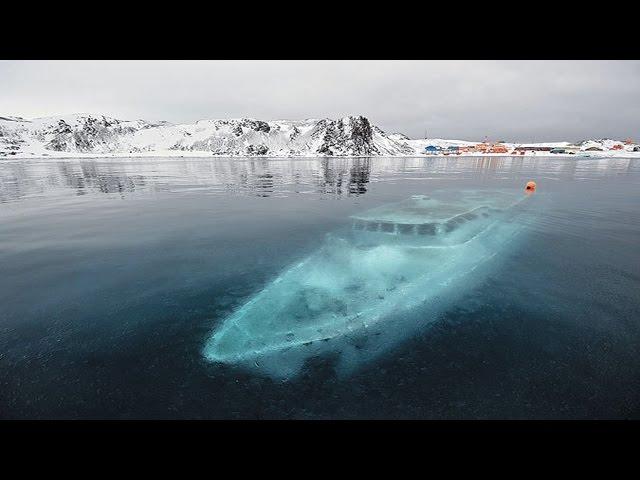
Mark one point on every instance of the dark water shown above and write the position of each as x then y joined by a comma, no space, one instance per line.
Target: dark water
114,272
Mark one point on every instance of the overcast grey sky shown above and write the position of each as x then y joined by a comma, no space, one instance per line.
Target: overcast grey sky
504,100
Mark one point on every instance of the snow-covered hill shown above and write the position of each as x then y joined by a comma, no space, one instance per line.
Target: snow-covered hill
90,135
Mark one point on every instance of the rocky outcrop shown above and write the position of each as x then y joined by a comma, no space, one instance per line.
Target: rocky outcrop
348,136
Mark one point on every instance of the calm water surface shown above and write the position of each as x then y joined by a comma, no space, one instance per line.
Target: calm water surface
113,274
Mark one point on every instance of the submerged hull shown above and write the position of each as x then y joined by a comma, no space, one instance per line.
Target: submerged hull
364,292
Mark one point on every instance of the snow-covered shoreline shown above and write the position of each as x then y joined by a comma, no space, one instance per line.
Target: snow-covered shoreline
209,156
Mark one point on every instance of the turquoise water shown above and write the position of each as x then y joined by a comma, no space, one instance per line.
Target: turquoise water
114,273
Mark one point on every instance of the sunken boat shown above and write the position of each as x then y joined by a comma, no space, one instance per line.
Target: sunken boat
367,289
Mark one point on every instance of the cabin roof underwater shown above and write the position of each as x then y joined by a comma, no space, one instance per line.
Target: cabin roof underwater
423,208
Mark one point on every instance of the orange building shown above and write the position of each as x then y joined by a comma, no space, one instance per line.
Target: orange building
482,147
498,148
485,147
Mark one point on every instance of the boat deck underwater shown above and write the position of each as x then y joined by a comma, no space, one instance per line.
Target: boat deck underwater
426,288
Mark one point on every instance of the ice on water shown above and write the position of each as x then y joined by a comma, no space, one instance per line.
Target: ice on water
354,297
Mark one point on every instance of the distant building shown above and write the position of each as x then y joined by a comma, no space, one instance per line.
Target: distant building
482,147
498,148
485,147
431,149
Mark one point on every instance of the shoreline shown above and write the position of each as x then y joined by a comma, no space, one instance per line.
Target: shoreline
208,155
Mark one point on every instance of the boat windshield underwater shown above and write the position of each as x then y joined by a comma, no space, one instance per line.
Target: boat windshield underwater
375,285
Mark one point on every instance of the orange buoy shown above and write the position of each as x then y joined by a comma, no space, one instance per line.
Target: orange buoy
530,187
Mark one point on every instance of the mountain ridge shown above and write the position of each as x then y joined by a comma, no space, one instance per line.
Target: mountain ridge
92,134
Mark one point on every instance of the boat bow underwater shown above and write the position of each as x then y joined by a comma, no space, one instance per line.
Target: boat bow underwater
365,291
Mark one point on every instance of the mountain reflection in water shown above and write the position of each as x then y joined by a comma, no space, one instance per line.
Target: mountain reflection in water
268,177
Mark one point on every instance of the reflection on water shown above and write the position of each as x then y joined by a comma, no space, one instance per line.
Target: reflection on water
275,177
